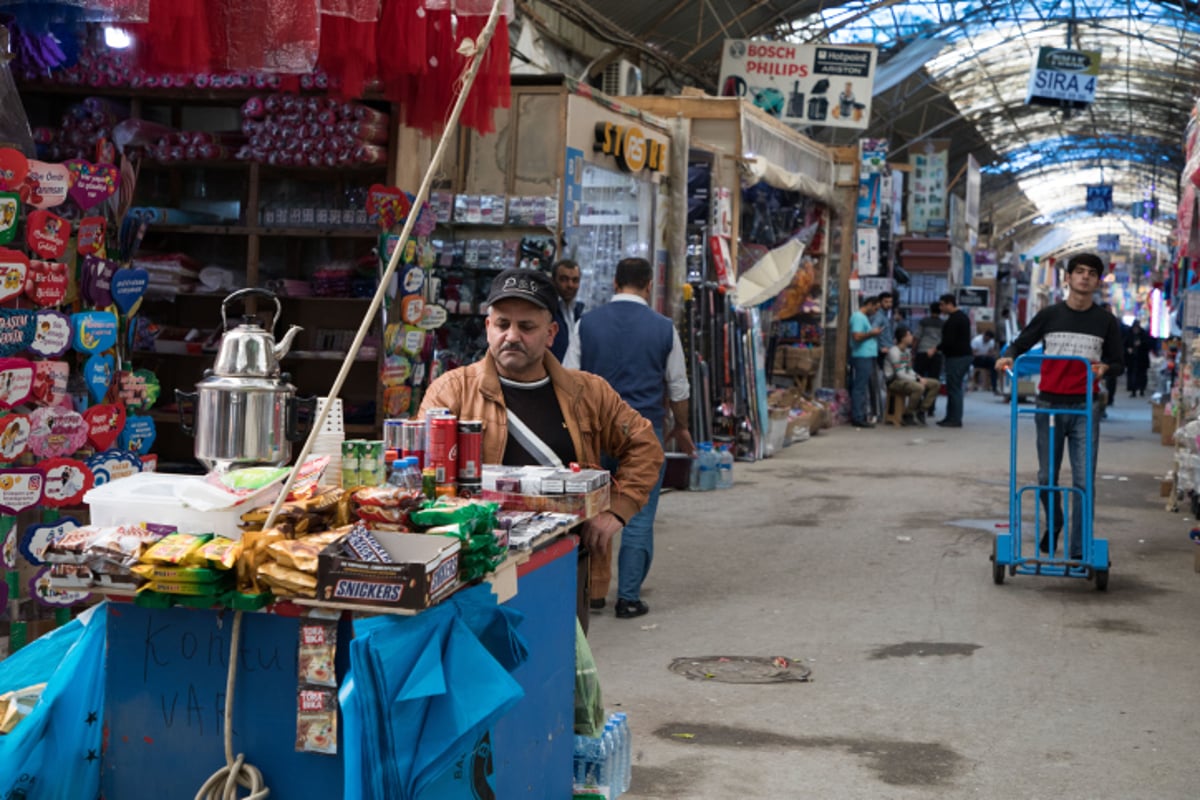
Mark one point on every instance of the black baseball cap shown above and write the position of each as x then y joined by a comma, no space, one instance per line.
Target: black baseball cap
531,285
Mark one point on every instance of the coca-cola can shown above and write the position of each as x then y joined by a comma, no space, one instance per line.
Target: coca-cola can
470,451
442,449
412,440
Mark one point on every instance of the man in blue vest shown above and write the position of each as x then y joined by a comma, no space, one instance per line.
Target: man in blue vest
637,350
566,311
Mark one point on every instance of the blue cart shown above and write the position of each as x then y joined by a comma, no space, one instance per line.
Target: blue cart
1009,550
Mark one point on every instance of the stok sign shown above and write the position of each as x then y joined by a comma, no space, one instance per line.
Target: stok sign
630,147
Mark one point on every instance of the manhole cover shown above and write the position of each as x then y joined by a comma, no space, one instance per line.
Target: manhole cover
740,669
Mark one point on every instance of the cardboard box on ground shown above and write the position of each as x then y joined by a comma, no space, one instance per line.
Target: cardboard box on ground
797,415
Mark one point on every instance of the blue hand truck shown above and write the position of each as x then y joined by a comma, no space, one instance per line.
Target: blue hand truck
1008,549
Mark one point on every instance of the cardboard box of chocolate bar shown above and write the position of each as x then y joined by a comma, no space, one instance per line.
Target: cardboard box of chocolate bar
408,570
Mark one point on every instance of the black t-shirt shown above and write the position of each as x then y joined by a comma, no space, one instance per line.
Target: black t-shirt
537,406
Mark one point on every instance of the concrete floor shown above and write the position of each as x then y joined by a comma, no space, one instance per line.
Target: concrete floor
864,554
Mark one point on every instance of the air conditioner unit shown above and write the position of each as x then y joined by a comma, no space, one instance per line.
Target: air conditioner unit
621,77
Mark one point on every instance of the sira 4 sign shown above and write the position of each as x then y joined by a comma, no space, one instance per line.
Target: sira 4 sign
632,149
1063,78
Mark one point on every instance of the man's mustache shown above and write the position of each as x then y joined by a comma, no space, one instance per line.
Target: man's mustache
518,347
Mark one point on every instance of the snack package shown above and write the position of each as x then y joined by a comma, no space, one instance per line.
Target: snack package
71,576
302,553
118,549
363,545
68,548
186,588
287,581
220,553
157,572
387,497
175,548
316,721
318,649
308,476
395,516
254,555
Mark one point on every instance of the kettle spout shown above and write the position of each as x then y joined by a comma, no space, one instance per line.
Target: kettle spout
285,343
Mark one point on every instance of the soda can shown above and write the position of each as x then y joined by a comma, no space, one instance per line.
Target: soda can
350,462
442,449
470,451
469,489
393,433
371,470
412,441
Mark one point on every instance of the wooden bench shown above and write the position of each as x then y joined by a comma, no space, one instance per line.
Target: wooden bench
896,401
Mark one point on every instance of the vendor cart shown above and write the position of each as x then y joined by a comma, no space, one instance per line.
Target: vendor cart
1009,549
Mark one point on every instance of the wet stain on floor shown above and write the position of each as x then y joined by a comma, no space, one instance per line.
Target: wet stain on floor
906,649
894,761
673,781
1114,626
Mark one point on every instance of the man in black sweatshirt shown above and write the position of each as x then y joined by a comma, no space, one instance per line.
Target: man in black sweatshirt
1074,327
956,347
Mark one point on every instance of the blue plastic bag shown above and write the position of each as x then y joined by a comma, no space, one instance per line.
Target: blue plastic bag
54,753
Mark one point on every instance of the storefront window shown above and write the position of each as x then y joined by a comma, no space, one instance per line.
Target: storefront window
616,216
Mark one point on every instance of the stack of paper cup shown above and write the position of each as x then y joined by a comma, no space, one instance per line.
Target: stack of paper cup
329,442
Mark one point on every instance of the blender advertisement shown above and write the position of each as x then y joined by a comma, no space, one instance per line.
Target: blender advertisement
802,84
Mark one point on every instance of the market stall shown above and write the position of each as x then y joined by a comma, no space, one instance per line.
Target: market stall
262,595
762,280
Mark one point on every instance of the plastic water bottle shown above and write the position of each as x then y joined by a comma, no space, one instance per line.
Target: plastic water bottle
579,763
626,743
412,473
605,776
708,467
725,467
397,476
694,473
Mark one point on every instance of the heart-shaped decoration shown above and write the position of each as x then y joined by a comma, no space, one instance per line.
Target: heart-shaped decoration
48,184
67,479
10,215
19,489
56,432
138,435
139,389
98,374
92,184
112,465
95,331
51,334
128,286
16,329
46,281
38,538
16,381
14,266
91,236
50,382
105,423
47,234
388,205
97,280
14,166
14,436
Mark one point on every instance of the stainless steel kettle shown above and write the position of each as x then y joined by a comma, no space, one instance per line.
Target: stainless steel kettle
245,412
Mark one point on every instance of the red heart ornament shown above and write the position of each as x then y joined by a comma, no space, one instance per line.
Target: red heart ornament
91,184
46,233
13,169
390,204
46,282
14,266
104,424
91,236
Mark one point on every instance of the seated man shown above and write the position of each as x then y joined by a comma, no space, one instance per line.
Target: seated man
983,348
920,392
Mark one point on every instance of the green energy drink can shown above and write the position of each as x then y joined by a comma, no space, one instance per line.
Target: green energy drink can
372,470
350,463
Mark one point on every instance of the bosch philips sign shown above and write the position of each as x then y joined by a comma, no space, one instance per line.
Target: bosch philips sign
1063,78
802,84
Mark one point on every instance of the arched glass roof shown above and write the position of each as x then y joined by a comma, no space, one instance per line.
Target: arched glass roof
1130,137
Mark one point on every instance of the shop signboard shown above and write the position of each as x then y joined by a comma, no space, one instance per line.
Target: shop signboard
632,144
973,296
802,84
1063,78
866,252
927,195
1108,242
872,154
1099,199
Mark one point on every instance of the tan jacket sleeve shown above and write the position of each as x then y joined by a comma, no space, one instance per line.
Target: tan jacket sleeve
630,439
445,392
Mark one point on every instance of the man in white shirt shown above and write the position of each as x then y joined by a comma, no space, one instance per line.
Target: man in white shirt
921,392
983,348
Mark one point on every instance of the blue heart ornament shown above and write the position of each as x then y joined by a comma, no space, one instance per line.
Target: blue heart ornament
138,435
94,331
128,286
98,374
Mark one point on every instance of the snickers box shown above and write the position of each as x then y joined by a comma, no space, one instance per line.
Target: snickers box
423,570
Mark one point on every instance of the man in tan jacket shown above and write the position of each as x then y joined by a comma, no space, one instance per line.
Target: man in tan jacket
535,411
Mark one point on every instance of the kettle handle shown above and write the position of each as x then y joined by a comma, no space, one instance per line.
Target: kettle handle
294,431
247,293
186,400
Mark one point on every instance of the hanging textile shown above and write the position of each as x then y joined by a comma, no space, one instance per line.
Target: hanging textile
348,54
357,10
